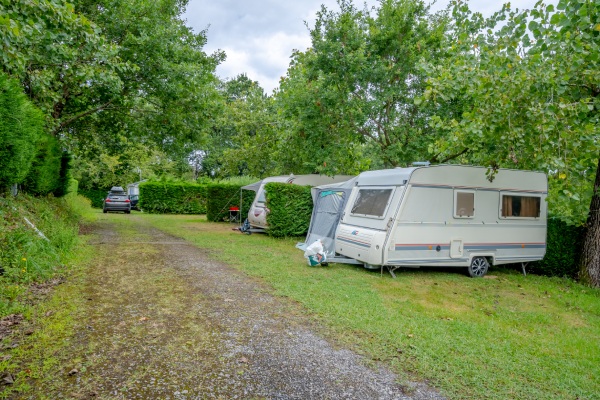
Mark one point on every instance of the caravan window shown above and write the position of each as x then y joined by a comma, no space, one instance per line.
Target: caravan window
262,197
464,204
371,202
520,206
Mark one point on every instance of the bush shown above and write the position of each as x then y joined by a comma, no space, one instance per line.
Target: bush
21,126
222,196
563,244
44,175
65,180
172,198
96,196
290,209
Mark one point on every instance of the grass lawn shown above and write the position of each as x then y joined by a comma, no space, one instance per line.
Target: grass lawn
505,336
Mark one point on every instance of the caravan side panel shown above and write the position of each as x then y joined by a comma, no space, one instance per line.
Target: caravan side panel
447,222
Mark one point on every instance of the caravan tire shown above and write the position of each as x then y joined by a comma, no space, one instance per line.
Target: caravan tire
372,267
478,268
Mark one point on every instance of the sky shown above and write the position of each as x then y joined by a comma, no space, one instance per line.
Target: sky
259,36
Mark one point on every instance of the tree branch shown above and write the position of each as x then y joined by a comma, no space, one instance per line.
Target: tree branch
436,160
79,116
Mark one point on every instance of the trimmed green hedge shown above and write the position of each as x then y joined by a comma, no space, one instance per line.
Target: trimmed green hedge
96,196
222,196
563,244
290,209
21,127
172,198
45,173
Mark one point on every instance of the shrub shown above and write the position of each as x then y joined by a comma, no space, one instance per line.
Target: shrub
563,243
290,209
44,175
21,126
96,196
222,196
65,180
173,198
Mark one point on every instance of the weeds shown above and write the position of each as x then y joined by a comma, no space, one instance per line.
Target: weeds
27,255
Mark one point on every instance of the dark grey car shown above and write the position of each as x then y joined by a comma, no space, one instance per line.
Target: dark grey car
117,202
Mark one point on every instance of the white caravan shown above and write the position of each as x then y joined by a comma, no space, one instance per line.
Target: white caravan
257,215
444,215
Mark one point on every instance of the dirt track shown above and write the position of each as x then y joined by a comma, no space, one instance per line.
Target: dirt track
166,322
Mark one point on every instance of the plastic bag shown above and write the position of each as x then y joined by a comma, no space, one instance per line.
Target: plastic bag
315,254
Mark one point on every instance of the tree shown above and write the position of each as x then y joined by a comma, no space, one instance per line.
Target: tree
354,89
65,65
170,95
526,84
244,139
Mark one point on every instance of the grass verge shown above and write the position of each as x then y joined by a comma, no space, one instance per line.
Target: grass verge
507,336
33,265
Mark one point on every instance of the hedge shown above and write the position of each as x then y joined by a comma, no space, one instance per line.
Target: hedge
96,196
172,198
45,174
563,244
290,209
220,197
21,127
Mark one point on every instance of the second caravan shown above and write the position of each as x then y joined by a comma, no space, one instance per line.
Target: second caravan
445,215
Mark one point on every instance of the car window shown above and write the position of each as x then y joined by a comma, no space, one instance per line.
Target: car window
117,197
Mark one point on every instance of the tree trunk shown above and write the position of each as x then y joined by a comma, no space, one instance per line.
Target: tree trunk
590,256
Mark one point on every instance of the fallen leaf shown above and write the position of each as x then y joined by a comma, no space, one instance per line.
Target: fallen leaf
144,319
7,379
72,372
243,360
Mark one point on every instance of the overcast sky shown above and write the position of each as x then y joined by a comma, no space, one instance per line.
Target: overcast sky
259,36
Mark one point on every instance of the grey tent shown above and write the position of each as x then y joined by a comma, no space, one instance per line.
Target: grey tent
329,202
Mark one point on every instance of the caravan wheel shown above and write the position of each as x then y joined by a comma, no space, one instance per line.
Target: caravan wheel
372,267
478,268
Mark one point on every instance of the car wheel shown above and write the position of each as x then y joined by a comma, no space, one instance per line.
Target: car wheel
128,212
478,268
104,211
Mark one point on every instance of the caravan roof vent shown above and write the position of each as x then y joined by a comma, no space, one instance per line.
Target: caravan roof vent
421,164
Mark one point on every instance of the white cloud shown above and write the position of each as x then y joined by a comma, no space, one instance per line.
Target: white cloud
259,36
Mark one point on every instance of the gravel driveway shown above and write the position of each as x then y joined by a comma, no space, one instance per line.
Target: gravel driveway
167,322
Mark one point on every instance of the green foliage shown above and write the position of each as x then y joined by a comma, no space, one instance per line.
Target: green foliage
526,88
70,71
44,175
169,94
222,196
290,209
128,161
21,126
173,198
96,196
353,90
244,137
65,181
563,244
26,257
